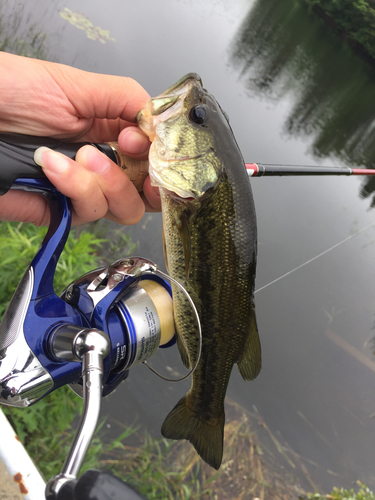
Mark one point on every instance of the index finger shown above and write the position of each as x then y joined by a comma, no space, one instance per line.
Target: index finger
96,186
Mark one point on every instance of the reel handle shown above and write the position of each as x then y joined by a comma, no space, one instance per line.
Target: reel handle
89,346
17,158
95,485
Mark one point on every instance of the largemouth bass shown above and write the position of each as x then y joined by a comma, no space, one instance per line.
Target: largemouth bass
209,228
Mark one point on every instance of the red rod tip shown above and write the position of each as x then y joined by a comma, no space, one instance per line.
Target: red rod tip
363,171
252,169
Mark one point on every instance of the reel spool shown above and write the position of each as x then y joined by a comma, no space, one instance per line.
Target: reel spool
131,302
147,315
132,305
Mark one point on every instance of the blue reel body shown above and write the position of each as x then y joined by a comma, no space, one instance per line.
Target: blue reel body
107,299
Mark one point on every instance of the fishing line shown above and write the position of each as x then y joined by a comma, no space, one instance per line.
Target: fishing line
316,257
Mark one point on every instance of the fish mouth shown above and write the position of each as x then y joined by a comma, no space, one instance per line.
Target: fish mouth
176,88
165,101
176,92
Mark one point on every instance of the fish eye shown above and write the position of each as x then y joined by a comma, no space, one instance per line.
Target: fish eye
198,114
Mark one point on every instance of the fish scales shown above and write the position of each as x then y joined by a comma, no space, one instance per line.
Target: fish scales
209,229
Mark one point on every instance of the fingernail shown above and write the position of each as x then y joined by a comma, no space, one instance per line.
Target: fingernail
51,160
94,160
134,142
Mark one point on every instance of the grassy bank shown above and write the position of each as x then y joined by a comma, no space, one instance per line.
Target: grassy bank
363,493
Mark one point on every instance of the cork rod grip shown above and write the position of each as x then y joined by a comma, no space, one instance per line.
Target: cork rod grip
136,170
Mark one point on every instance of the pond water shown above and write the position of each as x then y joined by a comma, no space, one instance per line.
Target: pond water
295,94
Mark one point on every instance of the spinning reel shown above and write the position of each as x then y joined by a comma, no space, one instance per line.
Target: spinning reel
104,322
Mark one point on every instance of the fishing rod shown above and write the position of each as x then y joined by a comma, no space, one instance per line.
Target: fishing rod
268,170
17,160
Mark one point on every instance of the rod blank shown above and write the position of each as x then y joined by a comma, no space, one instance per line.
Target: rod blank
263,170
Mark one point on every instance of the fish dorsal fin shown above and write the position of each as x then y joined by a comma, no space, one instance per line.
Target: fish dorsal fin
250,362
185,236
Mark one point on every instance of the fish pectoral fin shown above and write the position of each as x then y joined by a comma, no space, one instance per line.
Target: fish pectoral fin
183,352
184,232
206,435
165,251
250,362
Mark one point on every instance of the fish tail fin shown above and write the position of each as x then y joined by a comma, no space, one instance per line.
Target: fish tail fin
250,362
205,435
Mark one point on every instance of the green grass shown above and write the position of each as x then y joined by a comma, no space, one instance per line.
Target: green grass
19,244
364,493
17,35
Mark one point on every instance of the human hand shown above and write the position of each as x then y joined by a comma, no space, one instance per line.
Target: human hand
48,99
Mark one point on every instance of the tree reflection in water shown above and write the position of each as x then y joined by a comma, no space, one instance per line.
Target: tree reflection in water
282,49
